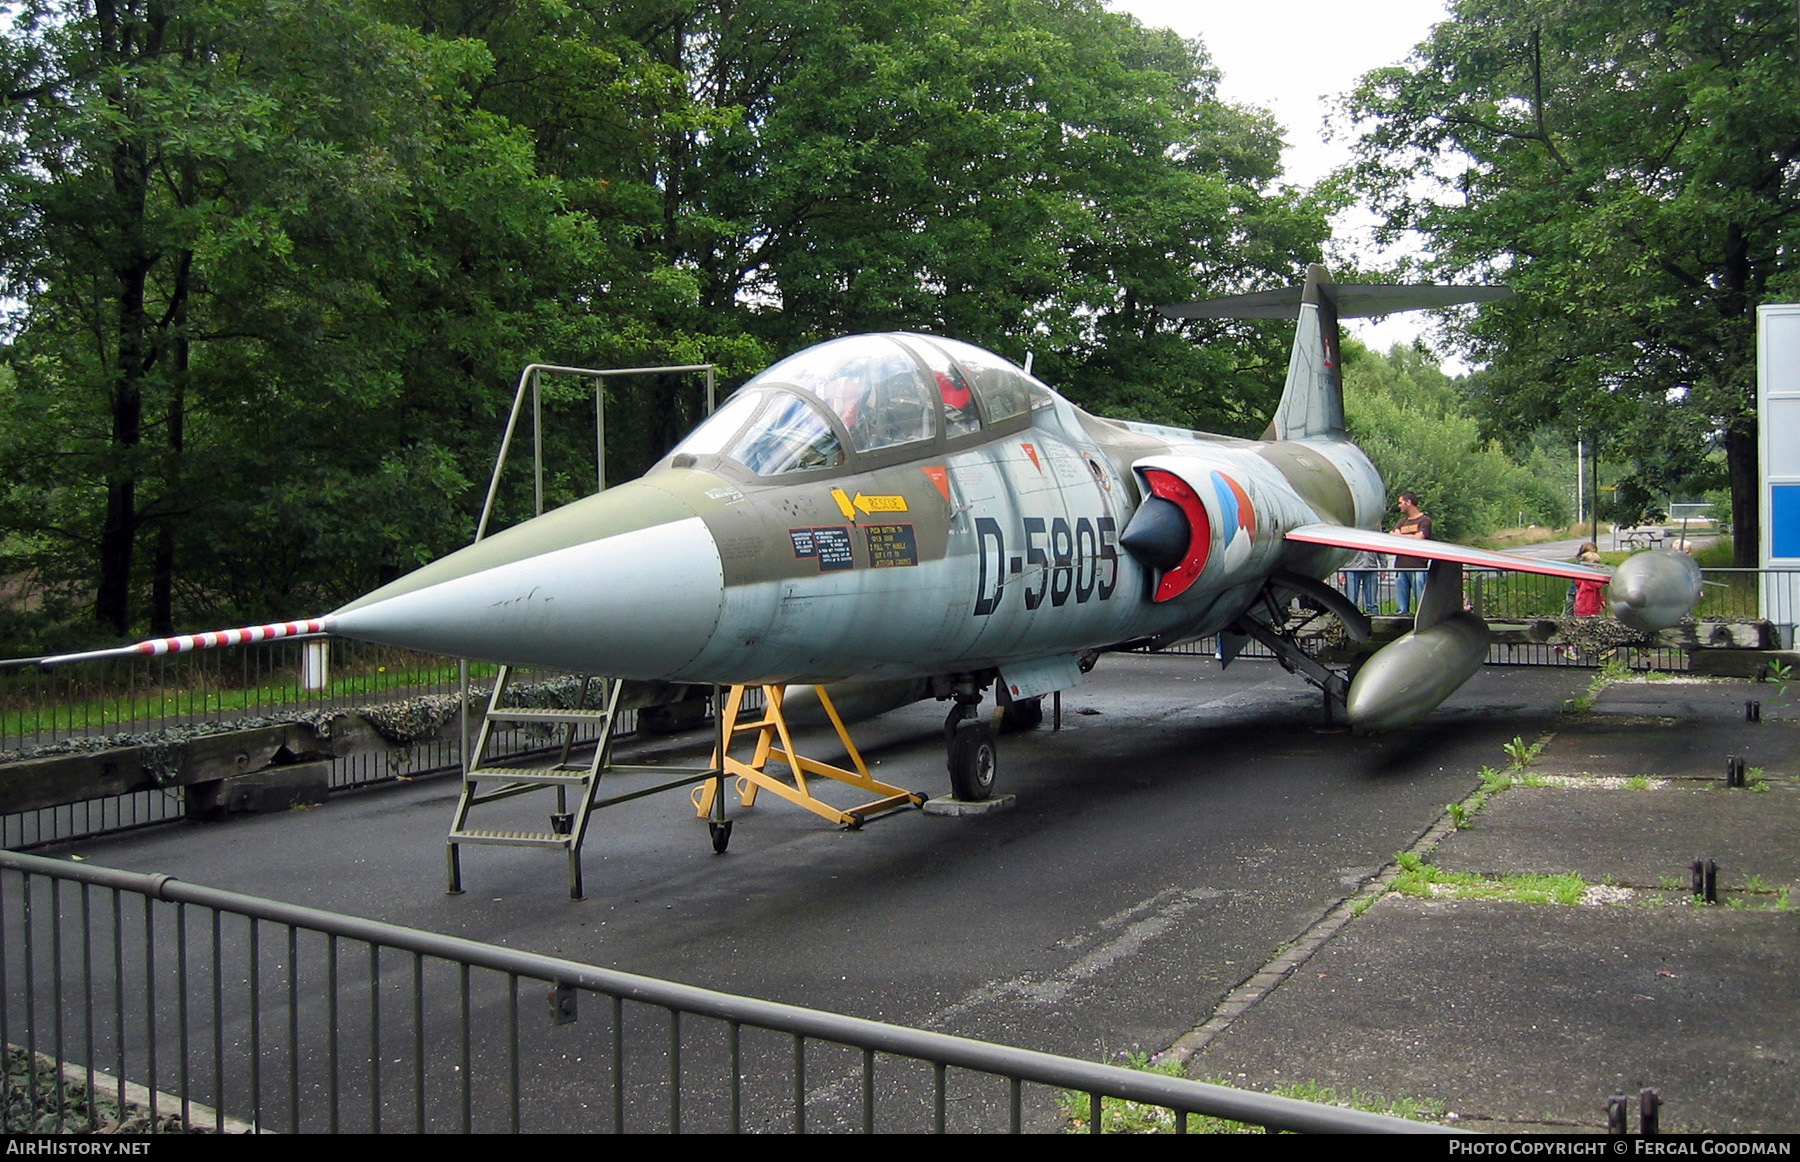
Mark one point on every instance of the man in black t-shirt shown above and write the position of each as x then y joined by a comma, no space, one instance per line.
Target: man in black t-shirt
1410,580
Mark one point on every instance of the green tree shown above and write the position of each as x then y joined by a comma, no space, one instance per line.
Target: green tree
1029,175
600,90
278,264
273,263
1633,170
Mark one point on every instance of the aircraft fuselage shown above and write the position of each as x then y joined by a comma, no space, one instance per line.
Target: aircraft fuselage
958,558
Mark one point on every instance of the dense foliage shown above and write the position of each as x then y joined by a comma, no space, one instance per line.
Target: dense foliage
274,266
1414,424
1632,168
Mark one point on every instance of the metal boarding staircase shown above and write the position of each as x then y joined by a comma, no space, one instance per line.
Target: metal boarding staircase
576,780
575,783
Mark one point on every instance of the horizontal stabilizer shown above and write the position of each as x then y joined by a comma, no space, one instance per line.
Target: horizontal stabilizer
1312,398
1353,300
1369,541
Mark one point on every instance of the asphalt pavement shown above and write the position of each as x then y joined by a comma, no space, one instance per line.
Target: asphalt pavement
1196,862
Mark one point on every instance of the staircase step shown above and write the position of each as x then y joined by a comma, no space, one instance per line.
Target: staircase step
548,776
510,838
527,715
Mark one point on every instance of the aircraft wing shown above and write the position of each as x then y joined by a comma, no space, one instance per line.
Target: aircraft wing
1370,541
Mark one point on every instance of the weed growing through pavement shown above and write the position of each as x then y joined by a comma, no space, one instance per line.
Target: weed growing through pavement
1614,670
1777,899
1523,753
1119,1116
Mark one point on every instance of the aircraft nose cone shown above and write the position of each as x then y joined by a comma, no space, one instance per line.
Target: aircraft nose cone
626,583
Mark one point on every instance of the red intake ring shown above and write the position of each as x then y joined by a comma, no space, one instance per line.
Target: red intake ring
1172,488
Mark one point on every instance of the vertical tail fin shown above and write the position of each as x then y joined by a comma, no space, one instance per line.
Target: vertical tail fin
1312,401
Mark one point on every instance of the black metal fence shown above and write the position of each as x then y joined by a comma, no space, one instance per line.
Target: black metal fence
233,1011
156,701
144,695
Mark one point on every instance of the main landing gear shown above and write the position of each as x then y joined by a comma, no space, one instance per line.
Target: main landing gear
1292,630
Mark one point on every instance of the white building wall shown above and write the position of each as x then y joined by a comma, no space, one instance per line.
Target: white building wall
1778,412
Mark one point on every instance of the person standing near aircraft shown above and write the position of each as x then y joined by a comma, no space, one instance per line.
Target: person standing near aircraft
1362,582
1590,600
1409,582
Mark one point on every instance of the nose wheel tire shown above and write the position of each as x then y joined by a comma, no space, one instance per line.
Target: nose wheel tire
974,761
721,836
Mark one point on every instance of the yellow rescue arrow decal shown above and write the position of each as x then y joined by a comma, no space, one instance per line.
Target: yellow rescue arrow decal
866,504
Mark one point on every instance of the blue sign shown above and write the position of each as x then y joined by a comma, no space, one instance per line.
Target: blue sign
1784,520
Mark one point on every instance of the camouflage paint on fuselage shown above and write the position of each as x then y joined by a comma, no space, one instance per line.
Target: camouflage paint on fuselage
826,527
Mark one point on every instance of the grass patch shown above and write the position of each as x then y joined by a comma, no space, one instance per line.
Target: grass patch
1118,1116
1418,878
1535,535
1613,670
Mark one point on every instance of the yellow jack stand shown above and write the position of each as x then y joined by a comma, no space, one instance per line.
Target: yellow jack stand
770,731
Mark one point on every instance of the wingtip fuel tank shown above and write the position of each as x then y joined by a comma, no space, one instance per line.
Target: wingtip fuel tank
1655,590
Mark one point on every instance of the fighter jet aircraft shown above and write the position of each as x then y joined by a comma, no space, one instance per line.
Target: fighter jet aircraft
919,517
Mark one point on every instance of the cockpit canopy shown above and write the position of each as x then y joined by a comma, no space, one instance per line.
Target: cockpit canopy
859,397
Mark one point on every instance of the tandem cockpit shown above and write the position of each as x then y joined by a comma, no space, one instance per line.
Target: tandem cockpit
865,401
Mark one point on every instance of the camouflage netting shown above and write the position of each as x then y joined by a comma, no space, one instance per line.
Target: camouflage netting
35,1105
411,720
1598,636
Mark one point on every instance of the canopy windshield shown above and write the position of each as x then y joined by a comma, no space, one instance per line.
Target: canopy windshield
886,391
875,386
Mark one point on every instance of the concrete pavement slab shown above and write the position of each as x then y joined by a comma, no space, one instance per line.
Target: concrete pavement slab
1522,1017
1634,838
1526,1017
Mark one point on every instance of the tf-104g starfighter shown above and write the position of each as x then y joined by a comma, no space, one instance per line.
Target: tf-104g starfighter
917,516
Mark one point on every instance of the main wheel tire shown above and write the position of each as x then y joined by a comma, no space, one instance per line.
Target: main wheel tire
1025,714
974,761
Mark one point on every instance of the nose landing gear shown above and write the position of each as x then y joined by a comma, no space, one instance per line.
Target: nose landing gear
974,757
